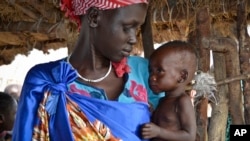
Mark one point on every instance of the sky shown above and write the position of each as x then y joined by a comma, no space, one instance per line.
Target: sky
17,70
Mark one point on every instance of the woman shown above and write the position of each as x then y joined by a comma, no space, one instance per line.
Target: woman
98,92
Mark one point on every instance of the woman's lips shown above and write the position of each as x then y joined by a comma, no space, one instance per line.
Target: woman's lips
126,53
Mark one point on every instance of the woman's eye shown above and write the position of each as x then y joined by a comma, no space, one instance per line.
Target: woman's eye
131,27
126,29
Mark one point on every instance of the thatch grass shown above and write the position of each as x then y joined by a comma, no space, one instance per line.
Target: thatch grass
29,24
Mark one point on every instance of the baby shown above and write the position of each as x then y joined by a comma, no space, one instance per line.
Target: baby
172,67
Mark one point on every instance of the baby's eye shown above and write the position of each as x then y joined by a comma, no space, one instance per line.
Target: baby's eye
159,70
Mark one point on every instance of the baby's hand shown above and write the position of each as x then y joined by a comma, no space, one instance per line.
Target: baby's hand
150,130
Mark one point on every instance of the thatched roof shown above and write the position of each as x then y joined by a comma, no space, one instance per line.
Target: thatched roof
176,19
28,24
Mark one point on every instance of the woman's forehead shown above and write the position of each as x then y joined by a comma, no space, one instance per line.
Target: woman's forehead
131,13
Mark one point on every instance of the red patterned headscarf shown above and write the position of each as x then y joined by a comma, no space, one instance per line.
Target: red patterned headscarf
75,8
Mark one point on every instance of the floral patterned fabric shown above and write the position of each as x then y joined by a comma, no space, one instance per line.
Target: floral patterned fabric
54,106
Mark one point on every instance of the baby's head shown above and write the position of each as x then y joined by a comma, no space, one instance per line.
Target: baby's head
174,61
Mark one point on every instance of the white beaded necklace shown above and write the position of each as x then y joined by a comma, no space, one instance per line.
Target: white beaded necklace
92,80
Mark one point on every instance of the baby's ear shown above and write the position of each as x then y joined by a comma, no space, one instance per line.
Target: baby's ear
2,119
183,76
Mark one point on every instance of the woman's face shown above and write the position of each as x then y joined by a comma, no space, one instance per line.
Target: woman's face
115,34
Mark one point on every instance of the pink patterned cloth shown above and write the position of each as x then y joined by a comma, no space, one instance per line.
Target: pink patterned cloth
74,8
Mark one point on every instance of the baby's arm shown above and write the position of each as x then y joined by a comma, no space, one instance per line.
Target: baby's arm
187,122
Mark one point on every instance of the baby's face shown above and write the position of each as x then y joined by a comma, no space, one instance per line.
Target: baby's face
164,72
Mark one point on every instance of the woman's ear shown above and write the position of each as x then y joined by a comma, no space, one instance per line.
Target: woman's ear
93,15
183,76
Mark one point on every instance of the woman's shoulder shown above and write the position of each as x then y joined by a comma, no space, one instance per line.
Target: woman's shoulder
46,65
45,69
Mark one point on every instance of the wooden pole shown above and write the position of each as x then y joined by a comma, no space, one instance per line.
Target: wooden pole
226,62
244,46
147,36
202,33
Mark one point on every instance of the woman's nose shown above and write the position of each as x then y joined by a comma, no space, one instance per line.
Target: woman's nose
132,38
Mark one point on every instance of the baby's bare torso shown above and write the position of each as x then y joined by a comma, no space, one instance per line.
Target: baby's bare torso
166,114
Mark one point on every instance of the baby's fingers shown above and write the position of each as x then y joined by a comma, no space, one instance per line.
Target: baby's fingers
146,135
